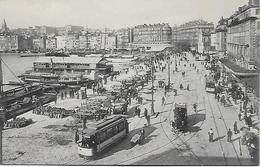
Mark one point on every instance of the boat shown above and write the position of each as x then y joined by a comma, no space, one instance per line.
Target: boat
39,77
30,54
71,78
120,58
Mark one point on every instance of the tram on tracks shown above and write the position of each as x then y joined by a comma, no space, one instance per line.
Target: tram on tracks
102,134
210,84
180,116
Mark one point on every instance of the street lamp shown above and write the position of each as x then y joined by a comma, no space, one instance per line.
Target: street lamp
152,73
169,72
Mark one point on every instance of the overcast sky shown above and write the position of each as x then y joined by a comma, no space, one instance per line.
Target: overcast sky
113,13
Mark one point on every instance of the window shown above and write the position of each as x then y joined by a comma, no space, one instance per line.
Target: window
109,132
258,25
102,136
257,11
121,126
115,130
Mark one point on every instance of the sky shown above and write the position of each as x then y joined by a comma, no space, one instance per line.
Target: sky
113,13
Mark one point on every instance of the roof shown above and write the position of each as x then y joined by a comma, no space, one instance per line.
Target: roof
71,59
236,68
92,127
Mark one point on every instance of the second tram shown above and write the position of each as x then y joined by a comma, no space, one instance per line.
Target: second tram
180,116
210,84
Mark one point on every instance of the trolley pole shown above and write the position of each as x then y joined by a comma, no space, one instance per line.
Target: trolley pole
169,72
152,73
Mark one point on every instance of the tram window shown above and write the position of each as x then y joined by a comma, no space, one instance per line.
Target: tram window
102,136
109,132
121,126
115,130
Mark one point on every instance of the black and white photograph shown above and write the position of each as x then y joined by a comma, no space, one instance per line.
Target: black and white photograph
129,82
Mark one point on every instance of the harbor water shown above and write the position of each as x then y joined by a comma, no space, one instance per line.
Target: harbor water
14,65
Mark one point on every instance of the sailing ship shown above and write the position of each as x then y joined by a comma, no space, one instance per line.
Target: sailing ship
19,100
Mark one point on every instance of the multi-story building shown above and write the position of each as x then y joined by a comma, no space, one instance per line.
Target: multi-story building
94,41
51,43
26,43
213,41
61,42
193,32
72,42
242,37
39,44
108,41
123,38
152,37
83,42
221,33
10,42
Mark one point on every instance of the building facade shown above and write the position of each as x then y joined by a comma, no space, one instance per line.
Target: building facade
51,43
221,33
242,37
83,42
94,42
108,41
10,42
72,42
195,34
152,36
124,37
213,41
39,44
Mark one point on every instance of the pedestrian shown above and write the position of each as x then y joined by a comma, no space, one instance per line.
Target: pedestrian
142,132
218,97
239,116
138,112
145,112
229,135
211,133
76,136
148,120
235,127
173,125
163,100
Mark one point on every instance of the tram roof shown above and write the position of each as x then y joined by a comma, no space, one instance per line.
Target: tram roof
93,127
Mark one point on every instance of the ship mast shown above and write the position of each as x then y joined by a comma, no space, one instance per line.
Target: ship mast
1,77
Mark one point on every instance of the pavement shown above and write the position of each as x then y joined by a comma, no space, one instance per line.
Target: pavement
160,146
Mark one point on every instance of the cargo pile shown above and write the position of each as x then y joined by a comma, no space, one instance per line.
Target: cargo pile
18,123
52,112
94,108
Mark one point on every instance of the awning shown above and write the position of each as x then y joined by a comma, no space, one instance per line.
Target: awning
236,69
251,82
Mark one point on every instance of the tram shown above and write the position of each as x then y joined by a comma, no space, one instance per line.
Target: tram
210,84
100,135
180,116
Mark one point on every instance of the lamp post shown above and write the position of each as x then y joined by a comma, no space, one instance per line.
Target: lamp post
169,72
152,73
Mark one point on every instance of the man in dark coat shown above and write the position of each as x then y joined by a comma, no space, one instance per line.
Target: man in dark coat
229,135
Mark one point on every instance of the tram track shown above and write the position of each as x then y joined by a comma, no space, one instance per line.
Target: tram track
224,121
184,142
217,130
